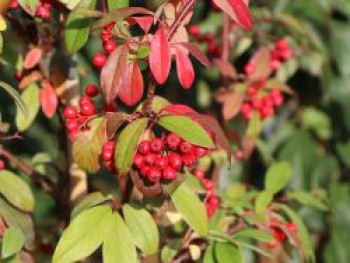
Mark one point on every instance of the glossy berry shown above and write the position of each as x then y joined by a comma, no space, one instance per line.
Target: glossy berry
249,68
111,107
169,173
91,90
138,160
272,244
2,164
291,227
144,147
72,124
239,154
185,147
144,170
198,173
150,158
70,112
189,159
18,75
73,134
110,145
43,12
173,141
107,155
82,119
84,100
214,200
200,152
154,174
275,64
13,4
161,162
87,110
282,44
175,161
99,60
286,54
208,184
156,145
109,46
194,30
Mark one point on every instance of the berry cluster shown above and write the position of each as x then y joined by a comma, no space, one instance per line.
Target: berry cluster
279,235
108,150
208,38
108,44
162,158
43,10
2,164
261,100
74,118
212,201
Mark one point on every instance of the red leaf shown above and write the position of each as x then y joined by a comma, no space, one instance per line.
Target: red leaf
48,99
196,52
177,109
160,56
132,89
32,58
237,10
184,69
145,22
261,61
112,73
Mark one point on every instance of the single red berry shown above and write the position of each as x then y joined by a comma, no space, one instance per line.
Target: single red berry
251,91
99,60
72,124
214,200
2,164
185,147
267,101
91,90
106,35
73,134
87,110
150,158
282,44
247,111
249,68
210,210
173,141
266,111
275,64
208,184
198,173
194,30
138,160
286,54
279,235
111,107
200,152
82,119
70,112
144,147
110,145
189,159
257,103
144,170
272,244
13,4
239,154
107,155
43,12
169,173
110,26
161,162
156,145
110,166
175,161
291,227
154,174
18,75
109,46
84,100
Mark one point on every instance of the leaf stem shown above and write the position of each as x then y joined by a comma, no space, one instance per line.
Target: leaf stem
150,96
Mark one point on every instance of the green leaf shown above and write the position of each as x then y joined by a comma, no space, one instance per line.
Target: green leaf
227,252
191,208
255,234
317,121
30,97
15,95
278,176
142,227
89,201
262,201
209,256
29,6
71,4
302,232
187,129
115,4
87,146
12,242
84,235
21,220
127,143
118,245
16,191
78,28
308,200
254,126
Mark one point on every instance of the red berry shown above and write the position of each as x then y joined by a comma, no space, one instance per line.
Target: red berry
279,235
154,174
173,141
2,164
109,27
87,110
208,184
214,200
156,145
249,68
84,100
73,134
150,158
169,173
239,154
272,244
13,4
282,44
286,54
82,119
247,111
111,107
91,90
110,145
109,46
99,60
210,210
198,173
18,75
275,64
70,112
209,37
175,161
257,103
43,12
267,111
251,91
161,162
200,152
144,147
291,227
185,147
144,170
106,35
72,124
194,30
189,159
267,101
107,155
138,160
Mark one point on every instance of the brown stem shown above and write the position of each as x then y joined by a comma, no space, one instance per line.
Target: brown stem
150,96
46,185
226,39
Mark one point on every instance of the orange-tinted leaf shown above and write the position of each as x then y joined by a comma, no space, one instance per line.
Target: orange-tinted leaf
196,52
32,58
237,10
112,73
226,68
114,121
145,22
132,89
232,102
29,79
177,109
184,69
160,57
261,61
48,99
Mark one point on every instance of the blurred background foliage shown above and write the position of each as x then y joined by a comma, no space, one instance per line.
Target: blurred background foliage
311,130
